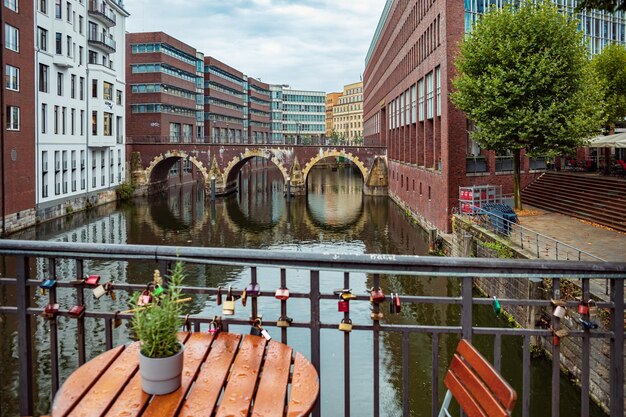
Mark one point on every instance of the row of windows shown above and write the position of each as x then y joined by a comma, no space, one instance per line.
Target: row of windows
163,88
350,99
409,107
223,74
304,117
344,109
259,101
221,118
162,108
222,103
304,108
139,48
107,88
214,86
260,90
300,98
260,113
164,68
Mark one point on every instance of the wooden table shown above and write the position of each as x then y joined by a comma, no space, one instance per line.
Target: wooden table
220,367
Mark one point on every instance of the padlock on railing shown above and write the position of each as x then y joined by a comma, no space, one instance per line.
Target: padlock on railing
50,311
583,307
392,304
144,299
109,289
219,296
253,289
76,311
345,325
343,306
117,322
559,312
92,280
397,304
376,316
229,304
214,326
497,309
99,291
589,325
158,290
244,297
258,330
284,321
593,307
47,284
282,294
377,295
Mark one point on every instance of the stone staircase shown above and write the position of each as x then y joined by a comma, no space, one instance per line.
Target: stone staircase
598,199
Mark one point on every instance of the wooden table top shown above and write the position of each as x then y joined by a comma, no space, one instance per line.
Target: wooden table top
220,367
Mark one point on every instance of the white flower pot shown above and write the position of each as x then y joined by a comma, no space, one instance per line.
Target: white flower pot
161,375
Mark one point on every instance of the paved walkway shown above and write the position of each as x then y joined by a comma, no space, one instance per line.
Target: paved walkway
596,240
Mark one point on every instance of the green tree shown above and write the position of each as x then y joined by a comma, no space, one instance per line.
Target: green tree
608,5
610,68
524,80
334,137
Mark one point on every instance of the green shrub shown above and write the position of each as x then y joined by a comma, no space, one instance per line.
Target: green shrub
125,191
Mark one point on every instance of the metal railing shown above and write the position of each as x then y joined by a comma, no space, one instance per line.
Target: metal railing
325,272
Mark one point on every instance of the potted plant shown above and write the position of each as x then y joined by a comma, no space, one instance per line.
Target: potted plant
156,320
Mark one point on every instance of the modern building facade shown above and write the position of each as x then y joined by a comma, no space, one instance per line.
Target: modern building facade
80,87
225,117
17,155
257,108
276,116
162,89
348,114
303,115
407,80
331,101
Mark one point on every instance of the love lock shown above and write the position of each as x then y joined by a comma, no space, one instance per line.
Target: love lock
589,325
376,316
282,294
258,330
50,311
158,290
377,295
559,312
214,326
117,322
229,304
47,284
144,299
343,306
593,307
284,321
397,304
392,304
92,280
583,308
77,311
345,325
496,306
99,291
253,290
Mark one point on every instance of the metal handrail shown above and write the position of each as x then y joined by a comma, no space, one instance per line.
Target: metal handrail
54,253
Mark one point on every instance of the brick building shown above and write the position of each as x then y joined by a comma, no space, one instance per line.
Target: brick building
258,100
17,155
407,79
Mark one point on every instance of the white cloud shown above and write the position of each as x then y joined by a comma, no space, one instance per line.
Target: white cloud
308,44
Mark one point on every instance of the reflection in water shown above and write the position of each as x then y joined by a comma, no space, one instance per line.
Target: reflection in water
333,217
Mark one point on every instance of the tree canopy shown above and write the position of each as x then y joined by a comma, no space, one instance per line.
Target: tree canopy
524,80
610,67
608,5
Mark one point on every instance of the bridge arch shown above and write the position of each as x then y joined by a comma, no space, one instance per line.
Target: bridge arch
330,153
234,165
160,165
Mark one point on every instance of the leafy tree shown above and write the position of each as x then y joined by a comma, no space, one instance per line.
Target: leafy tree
608,5
334,137
610,68
524,80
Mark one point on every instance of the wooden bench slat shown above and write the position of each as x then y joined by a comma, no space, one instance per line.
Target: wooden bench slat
476,388
208,386
301,399
79,382
242,379
498,385
132,400
195,351
270,396
462,396
113,381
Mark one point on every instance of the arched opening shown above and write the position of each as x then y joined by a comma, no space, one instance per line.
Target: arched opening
175,168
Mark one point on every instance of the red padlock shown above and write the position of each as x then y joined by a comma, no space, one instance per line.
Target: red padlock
51,309
377,295
583,308
77,311
343,306
397,304
556,340
92,280
282,294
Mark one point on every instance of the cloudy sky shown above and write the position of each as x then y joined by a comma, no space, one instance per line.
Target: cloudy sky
308,44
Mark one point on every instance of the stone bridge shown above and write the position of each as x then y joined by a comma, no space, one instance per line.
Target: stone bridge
150,162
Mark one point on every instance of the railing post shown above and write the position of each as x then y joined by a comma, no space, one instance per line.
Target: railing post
315,331
24,337
467,304
556,353
54,342
617,348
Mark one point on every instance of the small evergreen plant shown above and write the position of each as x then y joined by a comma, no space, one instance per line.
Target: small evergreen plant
157,323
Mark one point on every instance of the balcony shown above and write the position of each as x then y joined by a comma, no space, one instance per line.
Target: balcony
99,10
63,61
102,41
401,357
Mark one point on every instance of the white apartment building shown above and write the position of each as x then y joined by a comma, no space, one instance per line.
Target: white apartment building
80,69
348,114
303,115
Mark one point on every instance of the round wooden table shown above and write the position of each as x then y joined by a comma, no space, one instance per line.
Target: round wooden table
225,374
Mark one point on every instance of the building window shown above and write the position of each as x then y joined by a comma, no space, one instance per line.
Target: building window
44,118
58,9
73,86
82,122
73,122
43,78
11,38
429,95
420,100
58,43
63,119
94,123
107,91
108,124
13,118
80,55
81,88
413,104
11,4
68,11
94,88
42,39
12,78
56,120
80,24
118,97
43,6
59,83
93,57
438,75
69,46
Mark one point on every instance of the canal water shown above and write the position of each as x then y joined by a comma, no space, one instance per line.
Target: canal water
333,217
